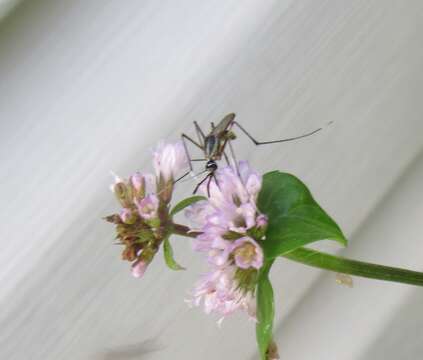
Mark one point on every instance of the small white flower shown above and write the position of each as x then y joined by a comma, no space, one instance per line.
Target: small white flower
169,160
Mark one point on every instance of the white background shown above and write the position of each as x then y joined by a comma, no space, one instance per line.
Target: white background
90,86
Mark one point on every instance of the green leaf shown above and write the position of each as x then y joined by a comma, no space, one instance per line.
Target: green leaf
265,310
185,203
168,255
295,219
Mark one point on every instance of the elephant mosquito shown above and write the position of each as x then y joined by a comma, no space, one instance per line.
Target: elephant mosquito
213,145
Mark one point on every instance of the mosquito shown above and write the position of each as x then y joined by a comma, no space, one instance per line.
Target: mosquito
214,146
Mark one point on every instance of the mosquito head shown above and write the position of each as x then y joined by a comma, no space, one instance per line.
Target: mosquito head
211,166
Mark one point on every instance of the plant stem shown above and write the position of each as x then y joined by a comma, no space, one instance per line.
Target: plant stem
352,267
336,263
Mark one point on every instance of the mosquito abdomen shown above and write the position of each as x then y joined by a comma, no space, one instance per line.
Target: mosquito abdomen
211,146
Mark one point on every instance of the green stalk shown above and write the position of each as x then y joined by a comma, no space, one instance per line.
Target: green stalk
338,264
353,267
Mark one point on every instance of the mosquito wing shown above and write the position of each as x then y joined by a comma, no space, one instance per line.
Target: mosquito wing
223,125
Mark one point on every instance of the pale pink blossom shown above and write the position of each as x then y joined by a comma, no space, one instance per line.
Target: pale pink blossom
231,207
169,160
247,253
218,293
251,179
198,212
148,207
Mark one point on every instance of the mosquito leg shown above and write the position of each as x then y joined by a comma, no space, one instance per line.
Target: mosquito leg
181,177
226,158
200,134
274,141
184,138
211,175
198,159
200,183
234,157
215,179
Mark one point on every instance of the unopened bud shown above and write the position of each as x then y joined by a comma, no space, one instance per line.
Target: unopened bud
129,253
261,221
138,268
114,219
121,193
165,189
137,182
127,216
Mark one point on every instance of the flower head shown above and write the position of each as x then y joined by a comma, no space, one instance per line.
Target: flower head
231,228
138,224
143,222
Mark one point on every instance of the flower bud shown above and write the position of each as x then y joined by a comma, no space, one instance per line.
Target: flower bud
261,221
122,193
127,216
169,159
138,268
114,219
137,182
165,190
129,253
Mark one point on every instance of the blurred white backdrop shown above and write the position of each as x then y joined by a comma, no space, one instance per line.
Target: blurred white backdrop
90,86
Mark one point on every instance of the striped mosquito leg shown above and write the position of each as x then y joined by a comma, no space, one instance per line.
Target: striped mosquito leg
226,158
234,157
200,183
181,177
185,137
200,134
274,141
211,176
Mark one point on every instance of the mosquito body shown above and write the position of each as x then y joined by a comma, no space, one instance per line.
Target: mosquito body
215,143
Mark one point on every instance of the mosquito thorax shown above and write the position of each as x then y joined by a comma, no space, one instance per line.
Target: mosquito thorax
211,165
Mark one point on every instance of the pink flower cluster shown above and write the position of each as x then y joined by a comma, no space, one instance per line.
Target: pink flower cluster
231,228
141,224
229,225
